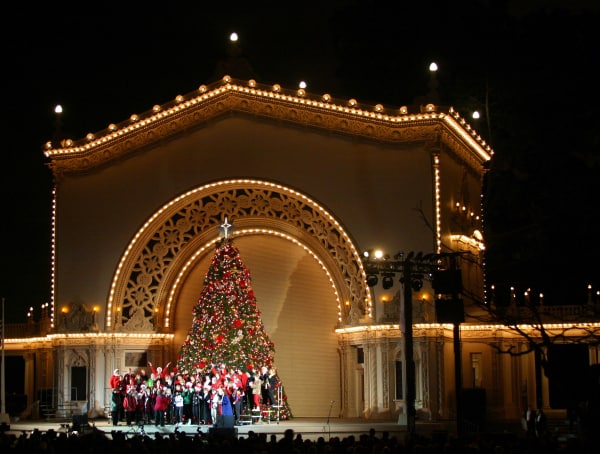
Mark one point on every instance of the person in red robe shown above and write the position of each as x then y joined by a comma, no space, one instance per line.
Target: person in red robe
159,371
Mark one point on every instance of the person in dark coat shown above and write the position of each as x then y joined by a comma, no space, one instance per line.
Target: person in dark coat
272,384
238,400
205,403
541,423
529,421
115,403
197,404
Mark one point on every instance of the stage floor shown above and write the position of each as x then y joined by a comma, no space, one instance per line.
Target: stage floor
310,428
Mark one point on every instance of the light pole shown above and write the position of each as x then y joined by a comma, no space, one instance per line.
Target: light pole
58,129
4,417
447,284
433,83
411,412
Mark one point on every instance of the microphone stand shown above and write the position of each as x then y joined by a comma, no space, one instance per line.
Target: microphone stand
328,417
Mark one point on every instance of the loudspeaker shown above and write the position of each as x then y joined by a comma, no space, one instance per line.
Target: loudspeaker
224,422
447,282
450,311
79,421
223,432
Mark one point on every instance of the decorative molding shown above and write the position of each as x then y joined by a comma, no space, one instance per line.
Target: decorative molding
143,286
141,132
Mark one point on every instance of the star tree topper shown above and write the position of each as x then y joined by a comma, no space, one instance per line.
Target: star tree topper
226,227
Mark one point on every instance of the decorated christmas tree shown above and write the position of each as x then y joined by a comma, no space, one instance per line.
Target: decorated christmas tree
227,328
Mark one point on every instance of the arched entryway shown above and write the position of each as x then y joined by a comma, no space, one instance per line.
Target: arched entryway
305,272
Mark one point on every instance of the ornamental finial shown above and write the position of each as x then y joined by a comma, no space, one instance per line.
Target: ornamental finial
226,227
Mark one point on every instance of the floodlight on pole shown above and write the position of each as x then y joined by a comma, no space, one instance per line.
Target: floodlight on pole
58,134
372,280
433,83
387,282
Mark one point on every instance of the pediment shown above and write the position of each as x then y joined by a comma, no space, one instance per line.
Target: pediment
429,124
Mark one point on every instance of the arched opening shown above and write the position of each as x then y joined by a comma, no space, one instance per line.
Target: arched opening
139,298
305,272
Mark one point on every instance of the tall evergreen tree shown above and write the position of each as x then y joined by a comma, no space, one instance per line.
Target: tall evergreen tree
227,329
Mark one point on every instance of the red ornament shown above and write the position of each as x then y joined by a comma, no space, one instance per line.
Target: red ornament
219,338
237,323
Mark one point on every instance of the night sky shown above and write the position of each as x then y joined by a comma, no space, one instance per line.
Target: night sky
532,71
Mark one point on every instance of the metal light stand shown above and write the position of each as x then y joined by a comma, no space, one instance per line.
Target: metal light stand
406,268
137,429
279,405
328,417
409,268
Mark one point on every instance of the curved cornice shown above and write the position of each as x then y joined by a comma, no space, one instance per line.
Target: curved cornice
227,97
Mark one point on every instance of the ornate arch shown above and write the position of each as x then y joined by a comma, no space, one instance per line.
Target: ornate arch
177,234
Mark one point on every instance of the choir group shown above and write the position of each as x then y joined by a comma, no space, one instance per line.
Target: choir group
203,397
